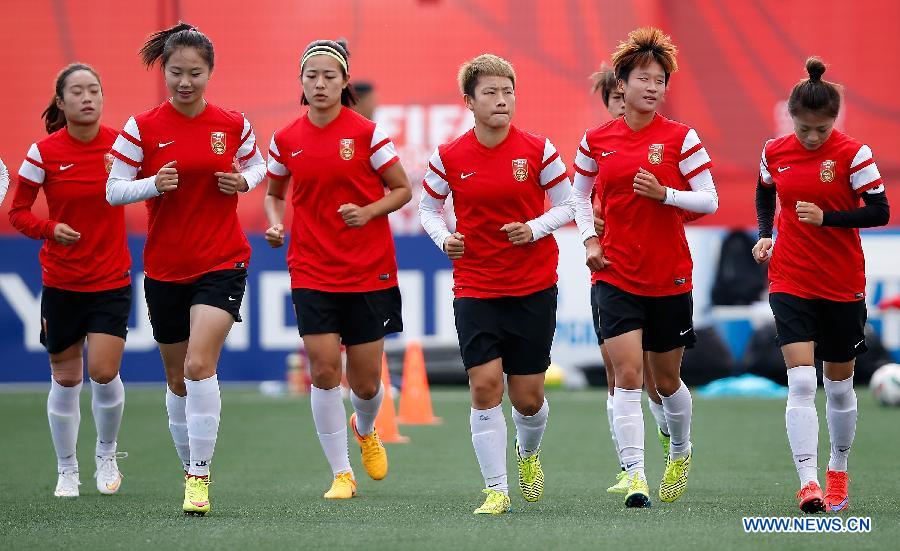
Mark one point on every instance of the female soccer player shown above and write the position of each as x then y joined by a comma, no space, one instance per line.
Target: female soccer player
196,255
85,265
642,269
504,269
819,306
341,254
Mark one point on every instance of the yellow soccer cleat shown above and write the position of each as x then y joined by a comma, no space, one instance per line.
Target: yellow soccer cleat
374,456
496,503
638,494
674,480
196,495
621,485
531,476
342,487
664,441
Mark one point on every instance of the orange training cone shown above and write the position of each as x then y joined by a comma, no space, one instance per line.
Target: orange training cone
386,422
415,398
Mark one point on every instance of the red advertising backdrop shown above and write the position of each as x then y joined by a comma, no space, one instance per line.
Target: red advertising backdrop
738,62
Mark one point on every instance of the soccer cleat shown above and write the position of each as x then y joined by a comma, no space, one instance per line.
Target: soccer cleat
374,456
638,493
531,475
664,441
196,495
674,480
109,479
67,484
621,485
811,498
496,503
342,487
836,496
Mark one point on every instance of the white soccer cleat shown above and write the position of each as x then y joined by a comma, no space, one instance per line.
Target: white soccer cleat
109,479
67,484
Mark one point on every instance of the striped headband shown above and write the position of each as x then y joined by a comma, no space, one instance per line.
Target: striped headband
325,50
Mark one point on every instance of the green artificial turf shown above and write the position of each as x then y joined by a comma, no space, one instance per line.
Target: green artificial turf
269,475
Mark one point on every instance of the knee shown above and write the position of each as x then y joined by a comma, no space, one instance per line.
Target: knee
486,393
198,367
528,405
103,373
366,390
629,376
666,385
178,387
802,381
67,379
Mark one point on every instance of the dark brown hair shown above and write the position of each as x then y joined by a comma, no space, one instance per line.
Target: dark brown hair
162,44
644,46
814,94
604,81
348,94
54,117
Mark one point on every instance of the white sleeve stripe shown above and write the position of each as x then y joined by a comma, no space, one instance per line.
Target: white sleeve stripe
549,150
246,130
436,183
128,149
248,146
277,168
132,128
31,172
378,136
35,153
384,155
690,140
865,176
764,167
584,143
552,171
585,163
875,190
863,155
695,161
273,147
437,162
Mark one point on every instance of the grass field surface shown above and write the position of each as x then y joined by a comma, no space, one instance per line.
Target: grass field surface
269,475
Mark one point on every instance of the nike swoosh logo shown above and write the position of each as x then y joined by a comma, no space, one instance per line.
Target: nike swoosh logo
295,153
605,153
844,450
802,460
66,167
386,321
685,332
859,343
630,465
783,168
464,176
231,298
162,145
840,505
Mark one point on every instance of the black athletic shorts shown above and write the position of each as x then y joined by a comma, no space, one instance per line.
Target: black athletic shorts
68,316
667,322
836,328
169,303
357,317
595,312
519,330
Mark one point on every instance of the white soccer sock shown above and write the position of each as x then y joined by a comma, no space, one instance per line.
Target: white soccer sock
107,403
64,415
802,421
628,419
330,419
175,406
612,428
366,410
840,411
678,408
530,429
489,440
203,407
659,413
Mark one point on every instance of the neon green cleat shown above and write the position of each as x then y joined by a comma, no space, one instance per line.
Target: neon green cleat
531,475
664,441
638,494
196,496
621,485
674,480
496,503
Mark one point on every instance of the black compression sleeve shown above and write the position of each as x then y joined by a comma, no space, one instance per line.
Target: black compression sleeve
875,213
765,208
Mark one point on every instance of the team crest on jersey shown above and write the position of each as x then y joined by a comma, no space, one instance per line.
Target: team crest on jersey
108,162
826,174
217,140
655,154
347,148
520,169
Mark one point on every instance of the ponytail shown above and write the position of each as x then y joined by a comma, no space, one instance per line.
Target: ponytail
54,117
162,44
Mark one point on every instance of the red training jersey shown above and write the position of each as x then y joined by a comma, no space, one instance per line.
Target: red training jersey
73,176
492,187
813,261
643,239
330,166
192,230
